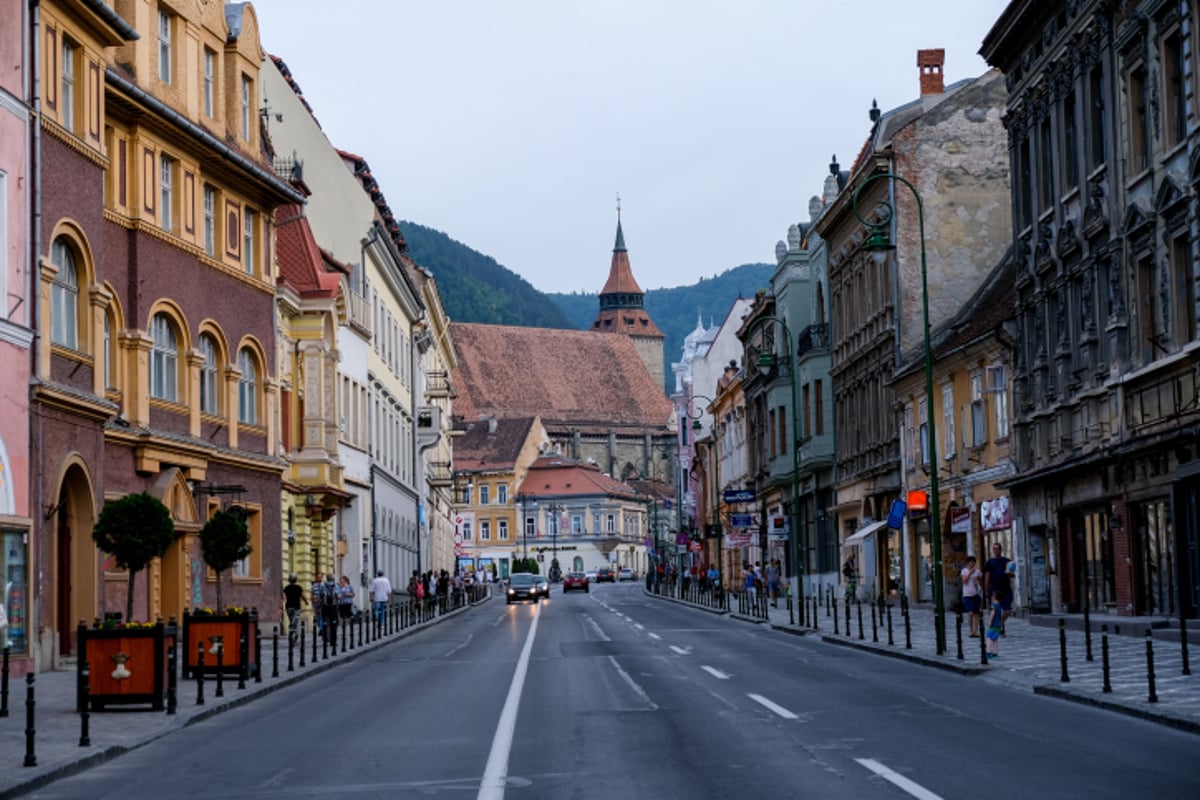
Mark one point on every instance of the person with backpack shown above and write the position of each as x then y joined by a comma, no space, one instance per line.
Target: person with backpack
329,605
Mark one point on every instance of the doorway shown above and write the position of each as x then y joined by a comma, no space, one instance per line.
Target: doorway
75,563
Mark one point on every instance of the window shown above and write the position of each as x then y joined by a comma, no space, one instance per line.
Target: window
248,567
210,221
248,240
64,296
819,407
910,458
1175,103
1045,168
464,495
166,168
923,413
485,531
1184,300
164,359
484,494
1024,185
577,524
67,101
530,526
783,431
998,388
1096,119
610,523
502,494
3,242
208,375
466,531
1069,143
245,108
1139,117
948,419
502,529
209,61
107,352
164,46
978,422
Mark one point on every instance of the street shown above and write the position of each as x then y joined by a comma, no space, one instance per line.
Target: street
616,694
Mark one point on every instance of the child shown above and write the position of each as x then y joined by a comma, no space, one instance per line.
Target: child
994,624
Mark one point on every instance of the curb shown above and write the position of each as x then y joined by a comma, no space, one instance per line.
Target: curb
908,655
1160,717
794,630
716,611
259,690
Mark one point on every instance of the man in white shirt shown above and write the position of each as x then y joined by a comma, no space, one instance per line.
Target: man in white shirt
381,589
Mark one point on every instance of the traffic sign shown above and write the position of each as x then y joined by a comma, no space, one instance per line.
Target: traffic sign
696,547
681,538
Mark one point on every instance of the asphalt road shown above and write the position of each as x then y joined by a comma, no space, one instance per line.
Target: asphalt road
614,694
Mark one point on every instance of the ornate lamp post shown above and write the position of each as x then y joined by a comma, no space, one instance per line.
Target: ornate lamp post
766,363
555,571
879,244
524,500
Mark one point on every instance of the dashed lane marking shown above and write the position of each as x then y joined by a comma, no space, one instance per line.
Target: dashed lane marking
898,780
775,707
716,673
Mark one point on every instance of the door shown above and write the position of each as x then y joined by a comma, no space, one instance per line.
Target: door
62,583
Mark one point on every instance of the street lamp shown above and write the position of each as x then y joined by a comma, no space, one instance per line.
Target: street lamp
554,510
879,243
766,362
715,482
525,499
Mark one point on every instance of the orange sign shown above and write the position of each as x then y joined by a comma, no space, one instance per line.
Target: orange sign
918,502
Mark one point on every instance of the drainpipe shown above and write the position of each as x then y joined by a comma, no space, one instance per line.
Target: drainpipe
30,53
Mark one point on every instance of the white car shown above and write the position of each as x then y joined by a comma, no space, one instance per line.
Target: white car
591,576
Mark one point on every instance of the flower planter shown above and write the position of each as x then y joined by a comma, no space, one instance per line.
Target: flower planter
202,627
126,665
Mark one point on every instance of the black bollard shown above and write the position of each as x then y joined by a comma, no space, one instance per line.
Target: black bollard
836,630
326,634
1087,632
1104,659
848,618
907,622
958,632
891,641
1062,649
219,646
828,599
361,624
303,649
791,611
85,689
172,671
30,730
1153,696
258,653
4,684
274,652
816,615
200,673
882,606
874,623
344,624
244,656
1183,643
983,659
860,625
318,633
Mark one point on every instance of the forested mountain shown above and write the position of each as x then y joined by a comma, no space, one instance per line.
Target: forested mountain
475,288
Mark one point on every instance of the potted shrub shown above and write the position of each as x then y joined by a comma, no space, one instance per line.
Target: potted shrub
224,540
135,530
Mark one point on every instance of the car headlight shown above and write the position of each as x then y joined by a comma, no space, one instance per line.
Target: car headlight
512,591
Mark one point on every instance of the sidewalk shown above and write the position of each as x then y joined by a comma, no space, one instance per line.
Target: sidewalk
1030,658
58,726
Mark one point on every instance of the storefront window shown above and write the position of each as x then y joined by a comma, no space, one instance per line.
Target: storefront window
16,590
1156,553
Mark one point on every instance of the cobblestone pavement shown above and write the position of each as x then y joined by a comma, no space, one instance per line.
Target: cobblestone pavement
1030,657
58,726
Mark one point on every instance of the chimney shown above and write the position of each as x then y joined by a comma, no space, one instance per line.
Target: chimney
930,62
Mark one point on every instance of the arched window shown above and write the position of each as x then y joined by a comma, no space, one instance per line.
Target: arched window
164,359
247,389
107,352
64,296
208,375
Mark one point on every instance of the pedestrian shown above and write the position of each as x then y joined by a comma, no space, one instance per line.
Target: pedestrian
997,580
316,598
850,573
773,581
293,598
345,599
995,626
751,582
414,587
971,597
381,593
329,605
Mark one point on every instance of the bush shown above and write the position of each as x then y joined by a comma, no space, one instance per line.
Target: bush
135,530
224,540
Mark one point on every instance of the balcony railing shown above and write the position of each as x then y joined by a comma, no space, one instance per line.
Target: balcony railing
358,311
439,473
814,337
437,384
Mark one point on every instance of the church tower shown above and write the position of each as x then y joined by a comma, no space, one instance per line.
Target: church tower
622,310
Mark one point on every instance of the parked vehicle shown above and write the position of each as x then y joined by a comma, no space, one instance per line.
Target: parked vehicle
605,574
574,581
627,574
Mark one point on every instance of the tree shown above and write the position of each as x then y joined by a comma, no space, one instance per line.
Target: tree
225,540
135,530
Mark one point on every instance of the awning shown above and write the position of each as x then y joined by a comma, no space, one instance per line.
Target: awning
864,532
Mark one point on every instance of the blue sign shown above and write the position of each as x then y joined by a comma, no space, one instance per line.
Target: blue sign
741,520
739,496
896,515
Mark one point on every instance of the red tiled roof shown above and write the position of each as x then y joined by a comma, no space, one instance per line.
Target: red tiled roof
301,261
620,276
574,378
557,475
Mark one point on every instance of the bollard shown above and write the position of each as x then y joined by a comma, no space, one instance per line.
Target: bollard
874,623
1183,643
258,653
362,619
85,689
326,633
860,625
219,647
30,730
1104,659
907,623
816,612
836,630
200,673
791,611
274,653
1087,632
318,633
172,681
983,659
243,667
303,649
848,618
891,641
348,627
1153,696
1062,649
958,632
828,599
4,684
882,606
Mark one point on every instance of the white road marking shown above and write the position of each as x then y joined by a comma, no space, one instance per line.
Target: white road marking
599,632
683,651
716,673
634,685
639,626
653,635
461,646
778,709
494,775
896,779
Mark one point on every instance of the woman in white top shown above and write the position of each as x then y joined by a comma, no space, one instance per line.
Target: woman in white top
971,590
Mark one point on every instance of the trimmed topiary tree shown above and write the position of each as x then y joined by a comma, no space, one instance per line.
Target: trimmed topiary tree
135,530
224,540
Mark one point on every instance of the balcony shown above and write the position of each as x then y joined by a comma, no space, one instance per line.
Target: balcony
438,473
358,312
814,337
437,384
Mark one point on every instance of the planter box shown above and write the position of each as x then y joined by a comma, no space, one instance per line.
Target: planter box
199,628
145,665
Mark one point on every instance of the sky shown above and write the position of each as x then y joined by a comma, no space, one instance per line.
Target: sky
513,125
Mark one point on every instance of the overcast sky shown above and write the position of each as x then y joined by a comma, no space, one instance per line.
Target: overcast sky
512,125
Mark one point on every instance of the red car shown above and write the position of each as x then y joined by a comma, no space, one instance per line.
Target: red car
573,581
